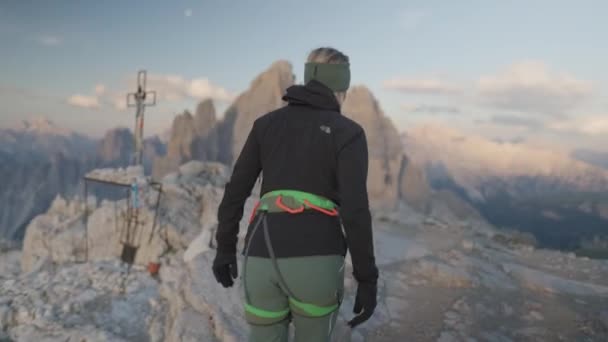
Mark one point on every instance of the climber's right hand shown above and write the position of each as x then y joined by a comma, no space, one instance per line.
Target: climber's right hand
225,269
365,303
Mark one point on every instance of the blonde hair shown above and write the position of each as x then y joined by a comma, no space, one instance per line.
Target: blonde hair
329,55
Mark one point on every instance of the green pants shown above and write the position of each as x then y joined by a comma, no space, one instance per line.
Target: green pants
316,280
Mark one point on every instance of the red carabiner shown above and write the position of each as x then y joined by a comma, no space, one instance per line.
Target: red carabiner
333,211
286,208
255,209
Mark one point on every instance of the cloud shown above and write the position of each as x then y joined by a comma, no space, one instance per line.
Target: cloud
431,109
169,88
100,89
49,40
595,126
83,101
531,87
591,125
512,140
518,121
119,102
431,86
89,101
188,12
177,88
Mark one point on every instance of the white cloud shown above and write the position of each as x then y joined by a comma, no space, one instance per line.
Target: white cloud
420,86
119,102
590,125
83,101
100,89
49,40
595,126
169,88
188,12
530,86
177,88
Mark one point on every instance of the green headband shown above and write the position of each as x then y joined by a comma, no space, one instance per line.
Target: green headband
335,76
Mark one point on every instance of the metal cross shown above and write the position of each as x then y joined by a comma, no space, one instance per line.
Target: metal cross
138,100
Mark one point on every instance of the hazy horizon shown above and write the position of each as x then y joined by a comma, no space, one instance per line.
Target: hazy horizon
513,71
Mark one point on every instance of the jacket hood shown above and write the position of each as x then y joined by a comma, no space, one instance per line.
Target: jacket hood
314,94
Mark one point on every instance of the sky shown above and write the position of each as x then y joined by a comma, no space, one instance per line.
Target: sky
532,71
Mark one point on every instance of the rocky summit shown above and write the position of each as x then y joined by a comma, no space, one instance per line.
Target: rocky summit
442,277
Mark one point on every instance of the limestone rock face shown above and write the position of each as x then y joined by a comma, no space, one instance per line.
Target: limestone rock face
454,274
189,135
116,147
188,201
414,188
203,137
10,256
58,296
81,302
384,145
264,95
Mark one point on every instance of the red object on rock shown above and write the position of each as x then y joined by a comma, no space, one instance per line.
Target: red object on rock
153,268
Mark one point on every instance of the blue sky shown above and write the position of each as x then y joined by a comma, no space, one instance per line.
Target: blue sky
514,69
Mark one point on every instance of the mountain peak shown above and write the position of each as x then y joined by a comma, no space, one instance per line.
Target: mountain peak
278,73
360,90
205,107
42,125
281,65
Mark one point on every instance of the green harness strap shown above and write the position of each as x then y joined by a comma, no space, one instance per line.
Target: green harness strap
311,310
262,316
293,199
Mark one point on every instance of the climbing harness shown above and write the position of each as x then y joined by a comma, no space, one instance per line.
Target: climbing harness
286,200
293,202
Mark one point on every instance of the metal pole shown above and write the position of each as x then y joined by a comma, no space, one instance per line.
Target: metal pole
140,138
139,98
136,133
86,222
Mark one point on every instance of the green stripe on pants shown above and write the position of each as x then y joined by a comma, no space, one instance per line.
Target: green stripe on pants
317,281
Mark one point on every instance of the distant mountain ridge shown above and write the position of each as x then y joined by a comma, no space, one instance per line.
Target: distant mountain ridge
39,160
559,199
596,158
41,136
473,161
43,125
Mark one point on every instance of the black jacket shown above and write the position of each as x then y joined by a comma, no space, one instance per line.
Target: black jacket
310,146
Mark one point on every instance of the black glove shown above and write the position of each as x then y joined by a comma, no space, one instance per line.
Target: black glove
225,269
365,303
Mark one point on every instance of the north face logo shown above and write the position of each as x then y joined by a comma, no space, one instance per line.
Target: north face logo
325,129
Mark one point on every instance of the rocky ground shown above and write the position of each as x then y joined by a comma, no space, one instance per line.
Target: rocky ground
441,279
